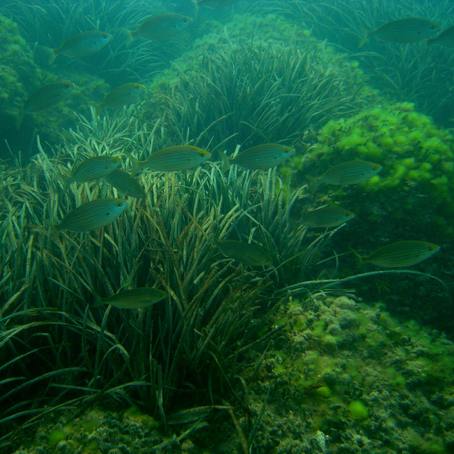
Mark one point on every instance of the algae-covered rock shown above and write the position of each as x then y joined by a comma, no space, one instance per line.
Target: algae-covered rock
381,386
18,73
375,402
415,183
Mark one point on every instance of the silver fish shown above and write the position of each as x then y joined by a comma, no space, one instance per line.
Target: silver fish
93,169
402,253
350,172
137,298
264,156
93,215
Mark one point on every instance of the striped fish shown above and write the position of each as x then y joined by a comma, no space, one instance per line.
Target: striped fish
406,30
125,183
175,158
350,172
264,156
137,298
93,169
402,253
328,216
93,215
247,253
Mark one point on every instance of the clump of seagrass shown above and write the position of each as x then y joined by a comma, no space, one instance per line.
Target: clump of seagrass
49,22
256,80
419,73
58,350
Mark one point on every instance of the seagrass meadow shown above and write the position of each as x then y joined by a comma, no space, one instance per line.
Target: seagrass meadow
226,227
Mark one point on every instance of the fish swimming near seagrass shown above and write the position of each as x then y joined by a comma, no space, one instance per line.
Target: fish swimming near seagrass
401,253
137,298
125,183
250,254
174,158
264,156
350,172
93,215
327,216
161,27
93,169
46,97
83,44
123,95
404,31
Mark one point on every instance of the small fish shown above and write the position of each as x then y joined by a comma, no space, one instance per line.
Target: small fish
123,95
171,159
93,215
125,183
350,172
161,27
407,30
402,253
46,97
93,169
445,38
137,298
83,44
263,156
328,216
247,253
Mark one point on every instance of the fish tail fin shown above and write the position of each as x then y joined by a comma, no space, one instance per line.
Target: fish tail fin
137,166
224,159
363,41
53,56
20,119
130,36
98,108
361,260
196,8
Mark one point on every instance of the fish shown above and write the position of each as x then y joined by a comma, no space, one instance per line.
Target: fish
83,44
93,215
327,216
445,38
406,30
264,156
125,183
247,253
402,253
45,97
350,172
161,27
174,158
48,96
137,298
122,95
93,169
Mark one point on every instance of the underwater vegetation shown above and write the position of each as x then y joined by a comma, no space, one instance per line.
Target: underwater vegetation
417,160
341,377
405,72
181,349
187,189
233,88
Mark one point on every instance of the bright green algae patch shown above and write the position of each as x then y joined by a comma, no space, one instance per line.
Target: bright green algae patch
416,182
353,379
342,377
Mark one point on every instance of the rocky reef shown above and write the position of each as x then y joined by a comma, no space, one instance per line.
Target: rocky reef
341,377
